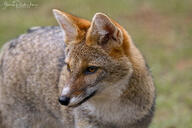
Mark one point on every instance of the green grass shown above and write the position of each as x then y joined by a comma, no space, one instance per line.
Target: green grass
161,29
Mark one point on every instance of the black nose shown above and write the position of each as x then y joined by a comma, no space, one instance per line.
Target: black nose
64,100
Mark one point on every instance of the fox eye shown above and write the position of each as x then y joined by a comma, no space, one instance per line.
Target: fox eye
68,68
91,69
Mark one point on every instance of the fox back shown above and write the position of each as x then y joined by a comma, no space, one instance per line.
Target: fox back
82,74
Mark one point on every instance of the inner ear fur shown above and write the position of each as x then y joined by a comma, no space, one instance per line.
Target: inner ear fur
74,28
103,31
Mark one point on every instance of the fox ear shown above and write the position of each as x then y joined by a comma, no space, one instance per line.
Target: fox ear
74,28
103,31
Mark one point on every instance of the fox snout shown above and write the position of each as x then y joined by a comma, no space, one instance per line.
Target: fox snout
78,85
72,98
64,100
65,97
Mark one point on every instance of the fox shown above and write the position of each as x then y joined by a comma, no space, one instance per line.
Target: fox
79,74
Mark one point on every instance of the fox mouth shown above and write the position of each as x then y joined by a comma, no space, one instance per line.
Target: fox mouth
84,100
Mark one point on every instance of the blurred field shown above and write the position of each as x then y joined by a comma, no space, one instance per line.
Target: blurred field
162,30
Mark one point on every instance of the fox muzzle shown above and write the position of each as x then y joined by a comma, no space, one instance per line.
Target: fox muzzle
64,100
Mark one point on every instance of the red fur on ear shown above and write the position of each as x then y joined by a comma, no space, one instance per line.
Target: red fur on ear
74,28
103,29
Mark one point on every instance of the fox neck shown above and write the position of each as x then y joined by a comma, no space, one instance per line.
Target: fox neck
105,104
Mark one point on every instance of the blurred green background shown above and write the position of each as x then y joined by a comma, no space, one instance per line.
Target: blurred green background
162,30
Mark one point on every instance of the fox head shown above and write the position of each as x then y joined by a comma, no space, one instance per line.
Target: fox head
96,57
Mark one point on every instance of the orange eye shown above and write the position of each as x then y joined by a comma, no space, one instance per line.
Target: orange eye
68,68
91,69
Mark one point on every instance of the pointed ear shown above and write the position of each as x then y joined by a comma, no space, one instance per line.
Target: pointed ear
74,28
104,31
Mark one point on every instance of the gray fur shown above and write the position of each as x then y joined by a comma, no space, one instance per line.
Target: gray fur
31,73
30,68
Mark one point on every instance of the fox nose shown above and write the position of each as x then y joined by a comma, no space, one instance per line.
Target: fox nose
64,100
